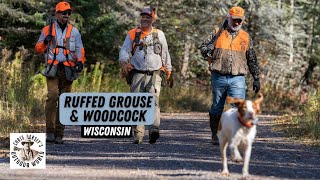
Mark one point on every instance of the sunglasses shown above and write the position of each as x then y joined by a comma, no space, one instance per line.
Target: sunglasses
237,20
66,12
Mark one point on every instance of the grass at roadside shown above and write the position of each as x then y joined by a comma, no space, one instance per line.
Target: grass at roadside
305,125
295,128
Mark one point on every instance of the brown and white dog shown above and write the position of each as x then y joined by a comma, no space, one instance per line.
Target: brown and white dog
238,128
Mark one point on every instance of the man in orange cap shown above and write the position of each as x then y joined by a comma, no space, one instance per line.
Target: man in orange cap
147,49
230,60
64,61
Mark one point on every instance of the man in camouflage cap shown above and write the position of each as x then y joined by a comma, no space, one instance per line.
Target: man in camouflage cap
144,55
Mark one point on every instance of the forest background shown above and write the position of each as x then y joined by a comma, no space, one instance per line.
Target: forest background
285,35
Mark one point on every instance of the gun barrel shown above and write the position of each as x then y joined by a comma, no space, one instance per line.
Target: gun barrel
49,33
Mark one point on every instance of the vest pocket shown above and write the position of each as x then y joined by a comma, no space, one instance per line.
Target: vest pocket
244,67
216,63
71,73
72,44
157,48
50,70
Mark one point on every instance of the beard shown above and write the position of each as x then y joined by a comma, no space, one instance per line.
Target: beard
65,20
145,23
233,28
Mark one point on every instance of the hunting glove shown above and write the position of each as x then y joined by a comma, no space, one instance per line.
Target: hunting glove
79,66
256,85
47,39
169,79
125,68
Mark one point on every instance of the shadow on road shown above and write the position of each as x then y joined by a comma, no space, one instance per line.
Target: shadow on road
185,145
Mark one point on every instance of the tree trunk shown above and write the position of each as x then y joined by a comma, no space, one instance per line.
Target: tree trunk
279,4
291,49
312,62
186,57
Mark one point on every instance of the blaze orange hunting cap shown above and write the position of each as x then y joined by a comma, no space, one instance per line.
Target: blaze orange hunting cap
63,6
237,13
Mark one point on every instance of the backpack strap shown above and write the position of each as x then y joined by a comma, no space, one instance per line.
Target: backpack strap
155,36
66,42
136,40
67,39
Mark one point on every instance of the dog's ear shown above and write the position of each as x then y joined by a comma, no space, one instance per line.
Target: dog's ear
259,99
229,99
257,102
235,101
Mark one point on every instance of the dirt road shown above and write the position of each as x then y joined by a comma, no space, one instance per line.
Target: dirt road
182,152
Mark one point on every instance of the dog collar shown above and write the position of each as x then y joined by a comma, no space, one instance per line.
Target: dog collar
248,124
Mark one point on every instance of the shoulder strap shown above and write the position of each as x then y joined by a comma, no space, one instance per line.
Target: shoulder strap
155,36
69,29
136,40
68,34
157,45
53,33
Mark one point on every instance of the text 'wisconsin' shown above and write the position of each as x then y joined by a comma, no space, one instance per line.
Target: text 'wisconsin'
105,131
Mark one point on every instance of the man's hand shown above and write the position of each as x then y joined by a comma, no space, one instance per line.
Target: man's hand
256,85
79,66
125,68
48,39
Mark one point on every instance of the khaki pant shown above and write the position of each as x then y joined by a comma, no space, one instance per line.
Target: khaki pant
143,83
56,86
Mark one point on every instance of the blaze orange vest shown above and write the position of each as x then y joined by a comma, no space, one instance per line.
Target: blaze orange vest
240,43
55,49
229,55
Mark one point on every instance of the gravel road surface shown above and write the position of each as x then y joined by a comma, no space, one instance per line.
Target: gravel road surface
182,152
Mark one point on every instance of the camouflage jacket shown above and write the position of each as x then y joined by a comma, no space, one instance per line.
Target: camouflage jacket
250,54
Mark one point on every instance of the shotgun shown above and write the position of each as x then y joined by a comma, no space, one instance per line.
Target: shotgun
213,41
49,33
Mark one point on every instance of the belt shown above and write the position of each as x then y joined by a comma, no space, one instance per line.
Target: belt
226,74
149,73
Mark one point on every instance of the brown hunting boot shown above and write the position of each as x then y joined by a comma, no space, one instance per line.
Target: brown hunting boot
214,122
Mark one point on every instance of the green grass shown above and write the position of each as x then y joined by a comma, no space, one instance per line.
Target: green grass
21,100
